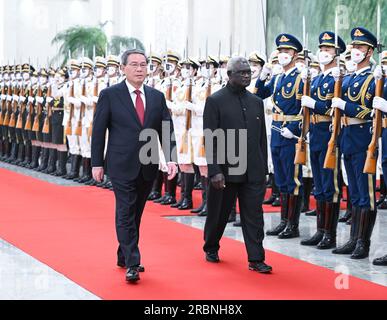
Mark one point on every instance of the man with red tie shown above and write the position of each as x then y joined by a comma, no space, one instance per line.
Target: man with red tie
126,110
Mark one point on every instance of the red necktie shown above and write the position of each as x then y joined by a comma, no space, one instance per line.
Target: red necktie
140,108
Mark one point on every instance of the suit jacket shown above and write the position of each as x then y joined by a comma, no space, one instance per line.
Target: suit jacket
229,109
115,112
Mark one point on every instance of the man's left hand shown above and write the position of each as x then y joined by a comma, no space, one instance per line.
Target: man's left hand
172,170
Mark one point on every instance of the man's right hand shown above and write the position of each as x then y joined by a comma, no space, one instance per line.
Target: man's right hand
218,181
98,174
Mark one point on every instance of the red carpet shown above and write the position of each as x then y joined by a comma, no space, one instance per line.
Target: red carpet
72,231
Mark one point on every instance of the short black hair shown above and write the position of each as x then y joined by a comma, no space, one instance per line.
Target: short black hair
127,53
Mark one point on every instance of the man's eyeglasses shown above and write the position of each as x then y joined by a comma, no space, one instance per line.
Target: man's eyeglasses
136,65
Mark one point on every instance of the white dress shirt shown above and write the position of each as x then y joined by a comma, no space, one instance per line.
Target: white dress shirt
133,95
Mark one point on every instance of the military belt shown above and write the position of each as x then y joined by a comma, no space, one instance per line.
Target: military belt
353,121
57,109
284,118
317,118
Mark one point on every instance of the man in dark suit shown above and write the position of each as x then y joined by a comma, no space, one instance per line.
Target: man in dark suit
127,110
235,119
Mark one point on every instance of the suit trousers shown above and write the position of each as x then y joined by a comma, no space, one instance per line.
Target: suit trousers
131,197
219,205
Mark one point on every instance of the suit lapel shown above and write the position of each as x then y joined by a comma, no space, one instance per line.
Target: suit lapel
126,100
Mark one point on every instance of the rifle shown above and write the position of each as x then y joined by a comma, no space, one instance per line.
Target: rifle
7,108
28,125
332,152
68,130
95,94
2,105
372,153
12,121
188,122
46,126
301,147
78,130
35,127
19,124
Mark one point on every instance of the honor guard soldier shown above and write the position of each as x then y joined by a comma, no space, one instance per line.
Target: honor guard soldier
59,140
12,111
326,182
99,83
72,104
380,103
2,93
155,81
169,86
356,107
286,90
5,114
40,114
256,62
86,117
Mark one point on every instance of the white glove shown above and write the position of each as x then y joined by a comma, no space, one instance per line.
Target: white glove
85,100
336,73
95,99
9,98
49,99
308,102
31,99
378,73
313,73
304,74
39,100
380,104
189,106
266,72
3,97
71,100
22,99
338,103
286,133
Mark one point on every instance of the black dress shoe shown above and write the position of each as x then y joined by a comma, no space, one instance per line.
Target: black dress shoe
154,196
122,265
212,257
169,201
186,204
311,213
269,201
260,267
132,275
380,261
276,203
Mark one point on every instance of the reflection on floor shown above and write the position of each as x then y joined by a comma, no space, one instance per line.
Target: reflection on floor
342,264
24,278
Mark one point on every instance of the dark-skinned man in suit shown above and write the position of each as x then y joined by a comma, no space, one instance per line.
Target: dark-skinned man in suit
239,117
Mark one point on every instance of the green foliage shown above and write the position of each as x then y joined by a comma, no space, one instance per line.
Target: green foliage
286,16
119,43
77,38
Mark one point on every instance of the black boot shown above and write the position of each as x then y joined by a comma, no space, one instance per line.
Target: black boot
348,213
273,196
332,213
284,216
62,162
43,160
318,236
294,212
205,183
187,203
165,182
34,158
380,261
79,177
233,213
13,156
350,246
21,153
28,155
171,191
6,150
75,167
182,191
87,174
308,186
382,190
157,186
204,196
366,226
52,159
277,201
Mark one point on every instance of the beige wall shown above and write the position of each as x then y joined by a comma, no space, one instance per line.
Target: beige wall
28,26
